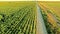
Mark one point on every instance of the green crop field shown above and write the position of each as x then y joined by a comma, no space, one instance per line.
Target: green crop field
51,15
17,18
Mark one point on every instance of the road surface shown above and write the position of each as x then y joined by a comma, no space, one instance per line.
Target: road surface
41,29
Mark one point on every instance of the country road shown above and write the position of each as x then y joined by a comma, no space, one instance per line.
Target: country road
41,29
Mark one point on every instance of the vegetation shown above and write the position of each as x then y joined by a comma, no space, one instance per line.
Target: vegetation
18,21
49,27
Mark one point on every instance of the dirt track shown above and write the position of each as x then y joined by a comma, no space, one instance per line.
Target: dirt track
41,29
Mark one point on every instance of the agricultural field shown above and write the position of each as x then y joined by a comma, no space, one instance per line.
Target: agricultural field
22,17
18,18
51,15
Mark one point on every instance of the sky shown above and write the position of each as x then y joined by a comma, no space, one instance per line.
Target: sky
29,0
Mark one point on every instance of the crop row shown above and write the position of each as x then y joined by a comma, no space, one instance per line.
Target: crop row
19,22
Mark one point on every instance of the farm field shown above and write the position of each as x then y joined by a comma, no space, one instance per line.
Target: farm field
18,18
54,6
51,16
22,17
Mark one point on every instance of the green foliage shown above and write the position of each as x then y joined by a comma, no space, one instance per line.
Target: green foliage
1,17
47,24
19,22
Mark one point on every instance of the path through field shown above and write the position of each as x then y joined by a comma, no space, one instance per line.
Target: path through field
41,29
